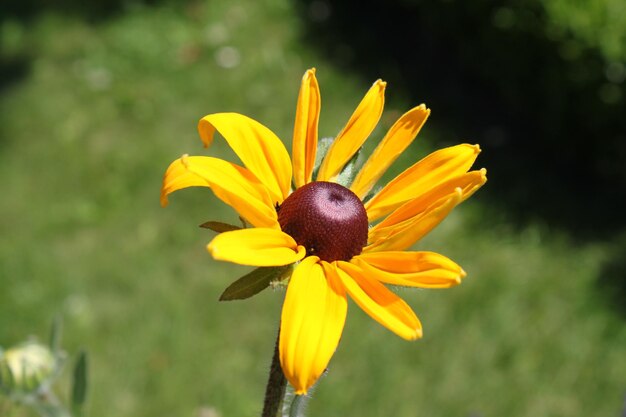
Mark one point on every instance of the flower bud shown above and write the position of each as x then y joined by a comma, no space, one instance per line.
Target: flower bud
25,367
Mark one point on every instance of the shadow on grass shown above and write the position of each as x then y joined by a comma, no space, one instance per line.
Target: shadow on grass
93,10
612,278
545,108
12,69
15,65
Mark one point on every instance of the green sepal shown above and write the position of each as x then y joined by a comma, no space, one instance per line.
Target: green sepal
255,282
219,227
79,384
323,145
349,171
375,190
7,380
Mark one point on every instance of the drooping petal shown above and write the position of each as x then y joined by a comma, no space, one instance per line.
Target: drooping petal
305,129
468,183
429,172
313,316
256,247
234,185
401,134
349,140
178,177
259,149
412,269
404,234
381,304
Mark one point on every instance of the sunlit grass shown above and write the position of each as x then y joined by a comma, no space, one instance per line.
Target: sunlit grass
86,136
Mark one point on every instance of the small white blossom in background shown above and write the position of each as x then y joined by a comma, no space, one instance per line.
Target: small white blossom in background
26,367
28,372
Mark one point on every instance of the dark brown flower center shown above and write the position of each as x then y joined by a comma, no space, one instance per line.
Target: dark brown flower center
327,219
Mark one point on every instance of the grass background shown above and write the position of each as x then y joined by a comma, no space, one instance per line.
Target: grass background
85,136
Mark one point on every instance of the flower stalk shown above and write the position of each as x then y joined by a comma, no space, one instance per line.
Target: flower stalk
276,386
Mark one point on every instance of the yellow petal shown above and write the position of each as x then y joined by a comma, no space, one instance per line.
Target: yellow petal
258,148
413,269
431,171
390,148
381,304
313,316
232,184
349,140
256,247
469,183
404,234
305,129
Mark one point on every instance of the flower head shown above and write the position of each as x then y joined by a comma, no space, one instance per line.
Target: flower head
326,227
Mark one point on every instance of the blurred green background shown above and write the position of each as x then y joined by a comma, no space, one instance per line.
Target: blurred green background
97,98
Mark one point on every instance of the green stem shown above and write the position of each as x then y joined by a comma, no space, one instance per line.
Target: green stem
297,406
48,405
276,386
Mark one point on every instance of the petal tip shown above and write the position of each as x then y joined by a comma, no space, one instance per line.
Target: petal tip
415,334
422,107
310,73
212,250
418,333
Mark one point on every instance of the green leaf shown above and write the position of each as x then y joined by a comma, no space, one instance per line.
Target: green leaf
219,227
79,384
55,335
254,282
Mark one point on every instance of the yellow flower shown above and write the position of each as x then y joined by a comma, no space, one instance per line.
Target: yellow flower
324,226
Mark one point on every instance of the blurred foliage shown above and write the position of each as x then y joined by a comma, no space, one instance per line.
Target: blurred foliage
539,84
28,375
612,276
97,109
596,24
